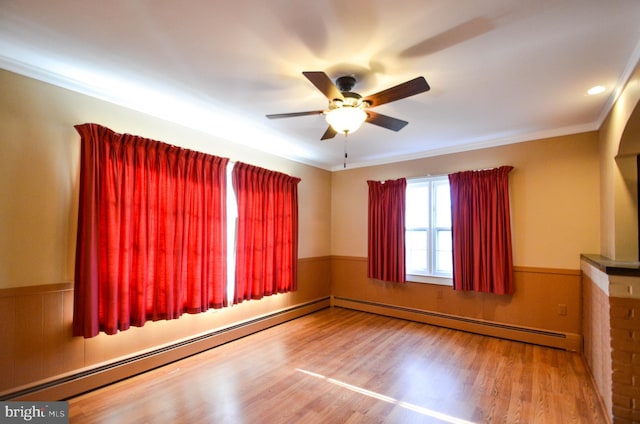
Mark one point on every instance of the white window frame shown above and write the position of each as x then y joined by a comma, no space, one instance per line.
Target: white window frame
429,276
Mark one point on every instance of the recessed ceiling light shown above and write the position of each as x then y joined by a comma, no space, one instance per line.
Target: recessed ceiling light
596,90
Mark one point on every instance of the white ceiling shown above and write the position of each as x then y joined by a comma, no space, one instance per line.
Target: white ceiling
501,71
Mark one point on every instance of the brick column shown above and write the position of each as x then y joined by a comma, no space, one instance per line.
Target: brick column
611,298
625,356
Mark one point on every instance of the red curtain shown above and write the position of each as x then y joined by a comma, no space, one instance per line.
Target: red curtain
267,232
386,250
151,232
481,226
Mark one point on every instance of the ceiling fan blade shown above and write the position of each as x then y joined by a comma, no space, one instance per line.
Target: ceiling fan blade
324,84
406,89
329,133
385,121
294,114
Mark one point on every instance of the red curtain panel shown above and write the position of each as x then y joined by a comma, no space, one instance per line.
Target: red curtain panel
267,232
151,238
481,227
386,232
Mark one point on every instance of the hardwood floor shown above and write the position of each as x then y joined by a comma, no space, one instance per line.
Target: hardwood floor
343,366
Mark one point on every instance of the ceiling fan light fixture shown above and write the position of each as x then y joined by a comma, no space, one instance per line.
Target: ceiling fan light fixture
346,119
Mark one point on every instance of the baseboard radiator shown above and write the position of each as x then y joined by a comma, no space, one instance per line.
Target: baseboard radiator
567,341
79,382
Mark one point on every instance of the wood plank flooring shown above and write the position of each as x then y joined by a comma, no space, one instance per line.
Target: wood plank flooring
343,366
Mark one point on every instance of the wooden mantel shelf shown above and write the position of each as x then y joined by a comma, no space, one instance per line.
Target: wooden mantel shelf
613,267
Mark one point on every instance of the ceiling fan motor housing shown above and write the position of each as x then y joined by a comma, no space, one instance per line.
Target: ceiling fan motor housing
345,83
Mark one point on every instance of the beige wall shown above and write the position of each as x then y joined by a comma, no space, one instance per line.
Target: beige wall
554,186
554,189
619,226
554,197
611,303
39,150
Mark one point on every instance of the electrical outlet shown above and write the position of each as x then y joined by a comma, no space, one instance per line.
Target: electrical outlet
562,309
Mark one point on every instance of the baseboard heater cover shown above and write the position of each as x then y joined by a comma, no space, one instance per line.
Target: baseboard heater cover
206,341
568,341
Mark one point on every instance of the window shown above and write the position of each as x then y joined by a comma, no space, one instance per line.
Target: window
428,230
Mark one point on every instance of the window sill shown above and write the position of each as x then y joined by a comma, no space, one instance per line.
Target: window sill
429,279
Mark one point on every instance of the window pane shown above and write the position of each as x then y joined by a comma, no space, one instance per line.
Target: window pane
416,250
417,206
444,262
428,227
443,204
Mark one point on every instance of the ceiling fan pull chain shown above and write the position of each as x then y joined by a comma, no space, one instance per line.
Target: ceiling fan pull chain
345,149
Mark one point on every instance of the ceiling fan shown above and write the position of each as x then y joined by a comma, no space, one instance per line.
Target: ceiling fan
348,110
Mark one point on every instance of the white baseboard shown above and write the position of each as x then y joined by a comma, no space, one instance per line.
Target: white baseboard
75,383
567,341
